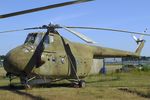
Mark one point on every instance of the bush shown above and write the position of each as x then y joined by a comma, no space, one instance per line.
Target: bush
145,68
127,68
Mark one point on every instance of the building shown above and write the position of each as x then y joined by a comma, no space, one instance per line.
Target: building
136,61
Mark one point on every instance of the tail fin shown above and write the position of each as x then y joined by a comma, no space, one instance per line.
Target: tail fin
140,47
140,42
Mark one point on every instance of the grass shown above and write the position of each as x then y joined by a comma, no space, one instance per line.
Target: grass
113,86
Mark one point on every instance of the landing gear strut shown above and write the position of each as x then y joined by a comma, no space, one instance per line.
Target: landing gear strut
24,81
9,75
78,84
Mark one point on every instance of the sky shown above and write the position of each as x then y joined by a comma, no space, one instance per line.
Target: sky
132,15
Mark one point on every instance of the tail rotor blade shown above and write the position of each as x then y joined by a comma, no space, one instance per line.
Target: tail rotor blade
134,37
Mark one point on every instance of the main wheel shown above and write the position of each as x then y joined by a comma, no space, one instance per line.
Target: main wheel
82,84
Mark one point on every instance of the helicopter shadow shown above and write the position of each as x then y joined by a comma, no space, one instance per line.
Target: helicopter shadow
54,85
17,90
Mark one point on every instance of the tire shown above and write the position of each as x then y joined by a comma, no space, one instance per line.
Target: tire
82,84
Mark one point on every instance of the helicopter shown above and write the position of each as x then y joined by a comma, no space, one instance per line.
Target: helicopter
47,57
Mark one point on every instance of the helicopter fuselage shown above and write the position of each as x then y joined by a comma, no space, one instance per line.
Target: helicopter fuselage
59,59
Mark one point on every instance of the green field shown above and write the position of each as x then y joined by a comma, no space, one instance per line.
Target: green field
113,86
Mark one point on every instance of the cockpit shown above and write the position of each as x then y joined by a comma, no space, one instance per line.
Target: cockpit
35,38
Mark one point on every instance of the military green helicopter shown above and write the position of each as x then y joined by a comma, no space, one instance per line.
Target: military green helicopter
47,57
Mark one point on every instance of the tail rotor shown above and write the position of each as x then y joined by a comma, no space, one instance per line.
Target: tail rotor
140,39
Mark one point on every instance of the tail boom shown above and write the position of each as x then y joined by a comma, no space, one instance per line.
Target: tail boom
101,52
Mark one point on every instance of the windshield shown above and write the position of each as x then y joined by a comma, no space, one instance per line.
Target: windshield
33,38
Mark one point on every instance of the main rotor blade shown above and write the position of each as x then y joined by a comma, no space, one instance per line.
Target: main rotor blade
9,31
12,31
43,8
23,29
81,36
109,29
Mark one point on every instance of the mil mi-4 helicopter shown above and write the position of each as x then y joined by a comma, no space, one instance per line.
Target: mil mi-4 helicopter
46,57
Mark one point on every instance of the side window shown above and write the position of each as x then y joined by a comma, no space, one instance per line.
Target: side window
31,38
38,39
51,37
46,41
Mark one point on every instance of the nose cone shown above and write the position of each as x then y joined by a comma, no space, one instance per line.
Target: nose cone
18,60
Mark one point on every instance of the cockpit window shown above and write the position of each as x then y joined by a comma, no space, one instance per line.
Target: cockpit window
36,39
30,38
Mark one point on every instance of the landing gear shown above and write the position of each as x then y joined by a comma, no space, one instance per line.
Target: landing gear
24,81
82,84
27,86
10,79
9,75
79,84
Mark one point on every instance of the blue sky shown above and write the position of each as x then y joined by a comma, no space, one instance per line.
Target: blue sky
132,15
